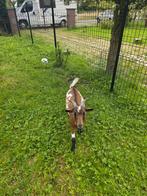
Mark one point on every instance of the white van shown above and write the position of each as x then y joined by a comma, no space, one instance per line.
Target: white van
42,17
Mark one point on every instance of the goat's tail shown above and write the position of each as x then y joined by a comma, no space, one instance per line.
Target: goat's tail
75,81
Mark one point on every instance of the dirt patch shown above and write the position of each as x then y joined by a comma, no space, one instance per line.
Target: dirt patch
6,81
95,48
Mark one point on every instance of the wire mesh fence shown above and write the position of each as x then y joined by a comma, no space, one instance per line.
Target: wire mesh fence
95,29
132,72
90,37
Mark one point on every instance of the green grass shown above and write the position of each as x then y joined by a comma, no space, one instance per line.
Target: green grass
99,32
35,157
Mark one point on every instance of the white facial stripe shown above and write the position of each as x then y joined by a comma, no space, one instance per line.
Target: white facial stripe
67,106
73,135
79,108
69,96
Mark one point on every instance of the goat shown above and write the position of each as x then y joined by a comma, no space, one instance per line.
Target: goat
75,107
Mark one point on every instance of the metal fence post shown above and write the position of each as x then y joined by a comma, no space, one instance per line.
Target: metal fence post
30,27
53,20
44,18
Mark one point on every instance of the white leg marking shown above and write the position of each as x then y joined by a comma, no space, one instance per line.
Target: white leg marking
73,135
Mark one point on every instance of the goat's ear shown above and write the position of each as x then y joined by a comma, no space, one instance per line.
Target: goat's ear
70,111
88,109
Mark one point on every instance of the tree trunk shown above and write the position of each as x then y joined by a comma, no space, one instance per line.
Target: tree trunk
120,15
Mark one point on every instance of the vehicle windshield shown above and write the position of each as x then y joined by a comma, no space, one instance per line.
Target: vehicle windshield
28,6
19,3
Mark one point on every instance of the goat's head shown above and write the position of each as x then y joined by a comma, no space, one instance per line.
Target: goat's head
79,113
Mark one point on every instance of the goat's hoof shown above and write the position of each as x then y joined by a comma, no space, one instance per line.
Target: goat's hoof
73,146
73,149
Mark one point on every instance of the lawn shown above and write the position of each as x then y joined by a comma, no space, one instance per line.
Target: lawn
35,157
103,30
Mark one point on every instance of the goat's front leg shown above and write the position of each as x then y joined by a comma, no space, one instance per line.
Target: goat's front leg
73,140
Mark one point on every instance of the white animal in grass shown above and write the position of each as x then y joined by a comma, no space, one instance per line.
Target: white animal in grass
44,60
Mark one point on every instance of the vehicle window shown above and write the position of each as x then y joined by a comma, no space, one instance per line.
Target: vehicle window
28,6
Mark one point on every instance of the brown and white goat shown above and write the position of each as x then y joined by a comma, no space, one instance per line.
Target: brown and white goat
75,107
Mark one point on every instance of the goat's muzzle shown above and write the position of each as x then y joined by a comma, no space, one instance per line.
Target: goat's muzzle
80,128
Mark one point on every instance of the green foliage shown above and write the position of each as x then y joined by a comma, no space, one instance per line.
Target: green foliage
35,157
3,4
95,4
138,4
108,24
103,5
67,2
87,5
3,12
61,56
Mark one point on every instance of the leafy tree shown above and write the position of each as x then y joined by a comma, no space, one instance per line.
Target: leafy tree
67,2
87,5
3,12
138,4
3,4
94,4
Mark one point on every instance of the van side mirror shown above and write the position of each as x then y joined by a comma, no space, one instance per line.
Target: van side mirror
23,10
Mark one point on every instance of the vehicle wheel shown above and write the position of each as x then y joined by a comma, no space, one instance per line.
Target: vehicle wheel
63,23
23,24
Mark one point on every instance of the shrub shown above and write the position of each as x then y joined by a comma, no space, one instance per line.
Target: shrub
61,56
107,24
